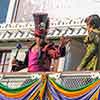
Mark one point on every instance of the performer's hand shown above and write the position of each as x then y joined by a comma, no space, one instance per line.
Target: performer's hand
78,68
13,61
64,41
67,40
53,53
48,46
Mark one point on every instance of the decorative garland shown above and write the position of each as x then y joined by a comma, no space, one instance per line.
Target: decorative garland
48,88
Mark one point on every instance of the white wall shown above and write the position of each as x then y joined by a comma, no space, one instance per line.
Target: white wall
55,8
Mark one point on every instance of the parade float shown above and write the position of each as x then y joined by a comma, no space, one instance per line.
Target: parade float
70,85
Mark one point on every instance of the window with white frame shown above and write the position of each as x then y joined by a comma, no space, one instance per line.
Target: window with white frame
4,60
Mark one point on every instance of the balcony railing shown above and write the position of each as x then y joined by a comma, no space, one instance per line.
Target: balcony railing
44,86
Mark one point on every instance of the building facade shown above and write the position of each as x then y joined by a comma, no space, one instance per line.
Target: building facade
18,26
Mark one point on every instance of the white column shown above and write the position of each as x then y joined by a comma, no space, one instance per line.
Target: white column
10,11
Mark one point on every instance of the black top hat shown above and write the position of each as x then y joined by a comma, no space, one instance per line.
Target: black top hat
41,22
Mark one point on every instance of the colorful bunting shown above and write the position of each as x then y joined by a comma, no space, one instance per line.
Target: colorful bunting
44,89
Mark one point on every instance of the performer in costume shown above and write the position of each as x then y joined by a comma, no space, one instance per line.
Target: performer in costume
39,55
92,42
62,63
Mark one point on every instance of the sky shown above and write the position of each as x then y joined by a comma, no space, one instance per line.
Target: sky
3,10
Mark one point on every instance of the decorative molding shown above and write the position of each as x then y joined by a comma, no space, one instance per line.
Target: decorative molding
58,27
